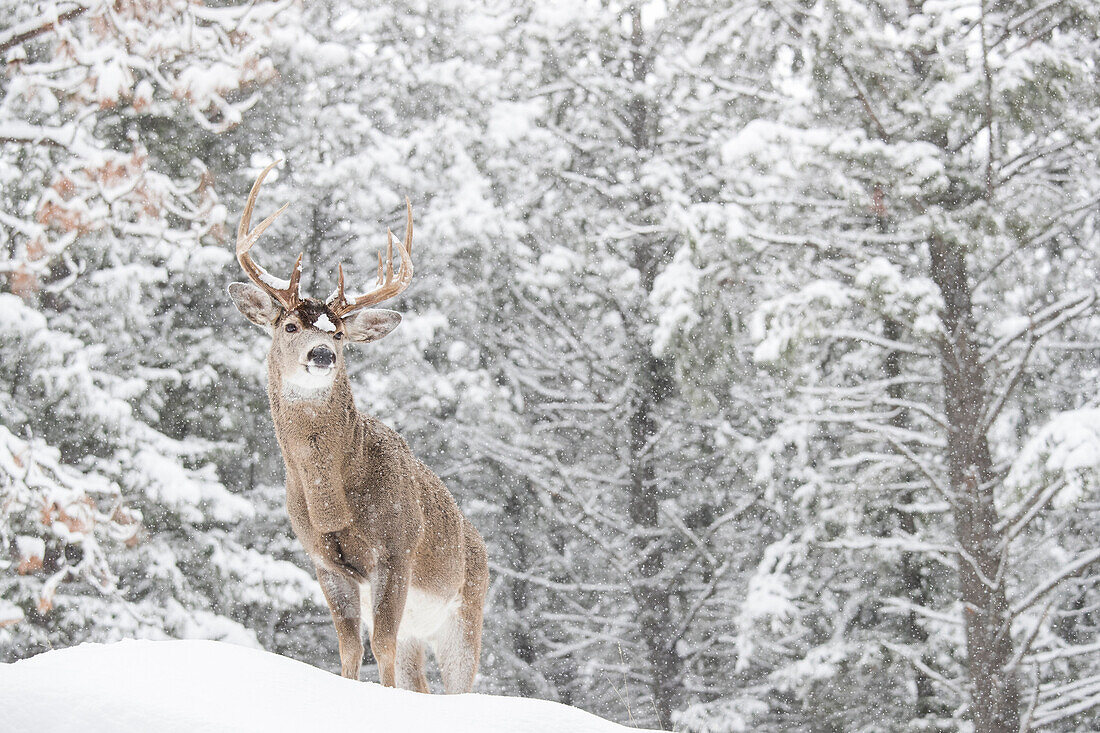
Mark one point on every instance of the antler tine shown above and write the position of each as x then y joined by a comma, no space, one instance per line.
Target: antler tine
389,255
246,239
409,227
289,296
295,277
389,285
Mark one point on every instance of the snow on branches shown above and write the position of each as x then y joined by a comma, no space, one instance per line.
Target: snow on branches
83,86
60,523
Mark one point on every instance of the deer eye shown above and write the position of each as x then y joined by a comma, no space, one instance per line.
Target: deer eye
338,336
291,327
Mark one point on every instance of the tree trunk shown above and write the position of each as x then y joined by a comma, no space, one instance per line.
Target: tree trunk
995,693
654,611
651,590
522,637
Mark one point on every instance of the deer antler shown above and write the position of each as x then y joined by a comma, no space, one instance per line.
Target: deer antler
389,286
284,291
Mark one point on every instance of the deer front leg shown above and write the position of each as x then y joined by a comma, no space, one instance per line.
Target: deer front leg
342,594
389,588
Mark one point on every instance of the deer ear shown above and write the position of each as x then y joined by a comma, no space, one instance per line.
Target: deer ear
256,305
371,324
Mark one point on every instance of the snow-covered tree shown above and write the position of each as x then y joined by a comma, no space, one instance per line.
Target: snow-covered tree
634,447
116,519
932,175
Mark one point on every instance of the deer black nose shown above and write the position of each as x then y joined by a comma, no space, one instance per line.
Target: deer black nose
321,356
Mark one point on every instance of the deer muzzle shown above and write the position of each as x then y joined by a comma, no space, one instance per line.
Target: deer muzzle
320,357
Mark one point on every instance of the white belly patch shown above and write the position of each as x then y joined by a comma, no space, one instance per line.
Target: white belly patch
425,613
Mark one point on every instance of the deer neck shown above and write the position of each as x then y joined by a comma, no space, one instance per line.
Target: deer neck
309,414
318,438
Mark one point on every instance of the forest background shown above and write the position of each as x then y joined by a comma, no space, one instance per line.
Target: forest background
758,338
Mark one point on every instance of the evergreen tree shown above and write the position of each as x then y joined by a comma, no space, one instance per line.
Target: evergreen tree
115,514
942,157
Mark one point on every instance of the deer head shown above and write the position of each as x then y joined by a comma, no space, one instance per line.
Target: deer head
308,335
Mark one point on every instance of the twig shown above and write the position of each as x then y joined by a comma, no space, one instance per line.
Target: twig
37,27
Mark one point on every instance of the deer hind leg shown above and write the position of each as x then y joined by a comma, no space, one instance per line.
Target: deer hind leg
457,648
457,645
410,665
342,595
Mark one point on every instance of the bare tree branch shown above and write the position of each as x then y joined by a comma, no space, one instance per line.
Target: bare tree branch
23,32
1078,566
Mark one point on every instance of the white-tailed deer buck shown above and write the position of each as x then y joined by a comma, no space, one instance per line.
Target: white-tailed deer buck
381,529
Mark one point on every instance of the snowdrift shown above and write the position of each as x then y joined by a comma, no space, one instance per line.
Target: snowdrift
207,686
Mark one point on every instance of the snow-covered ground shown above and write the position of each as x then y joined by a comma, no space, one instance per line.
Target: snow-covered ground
207,686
